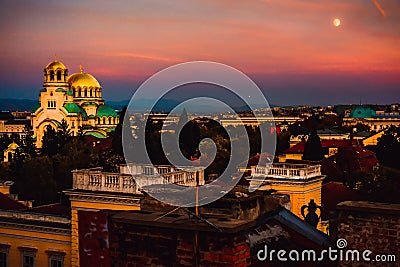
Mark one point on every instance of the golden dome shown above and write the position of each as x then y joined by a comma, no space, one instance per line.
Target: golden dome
56,65
13,146
83,79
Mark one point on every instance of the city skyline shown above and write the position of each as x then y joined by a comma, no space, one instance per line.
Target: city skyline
291,49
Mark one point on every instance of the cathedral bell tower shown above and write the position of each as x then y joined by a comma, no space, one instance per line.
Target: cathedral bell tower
55,74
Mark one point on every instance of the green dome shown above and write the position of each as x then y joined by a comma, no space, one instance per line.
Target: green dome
61,90
89,104
362,112
74,108
106,111
96,134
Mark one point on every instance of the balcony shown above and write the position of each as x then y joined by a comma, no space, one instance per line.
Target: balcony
289,171
95,180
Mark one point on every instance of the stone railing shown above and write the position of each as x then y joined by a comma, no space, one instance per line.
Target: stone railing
284,170
176,175
96,180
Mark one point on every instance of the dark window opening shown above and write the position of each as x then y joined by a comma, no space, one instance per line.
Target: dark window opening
28,261
3,259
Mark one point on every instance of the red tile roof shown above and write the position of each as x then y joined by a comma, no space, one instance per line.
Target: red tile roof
335,192
7,203
100,144
53,209
299,147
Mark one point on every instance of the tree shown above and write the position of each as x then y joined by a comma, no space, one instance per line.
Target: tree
74,155
313,149
35,180
388,148
29,146
50,142
53,141
63,134
116,143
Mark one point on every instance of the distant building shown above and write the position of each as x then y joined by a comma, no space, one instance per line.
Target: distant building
376,121
13,123
330,148
77,99
279,121
9,152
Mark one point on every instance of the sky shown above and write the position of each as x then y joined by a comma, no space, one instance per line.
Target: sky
290,48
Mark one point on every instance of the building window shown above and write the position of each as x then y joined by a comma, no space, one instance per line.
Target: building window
51,104
3,259
59,75
51,75
4,254
28,256
56,258
28,260
56,261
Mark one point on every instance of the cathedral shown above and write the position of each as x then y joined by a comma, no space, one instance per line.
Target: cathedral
75,98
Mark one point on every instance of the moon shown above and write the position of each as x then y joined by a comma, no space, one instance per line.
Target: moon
336,22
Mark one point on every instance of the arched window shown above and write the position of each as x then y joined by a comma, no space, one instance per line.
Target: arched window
98,120
109,120
85,92
91,93
79,92
51,75
59,75
104,120
74,92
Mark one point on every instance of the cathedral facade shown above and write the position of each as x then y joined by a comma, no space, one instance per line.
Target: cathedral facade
75,98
